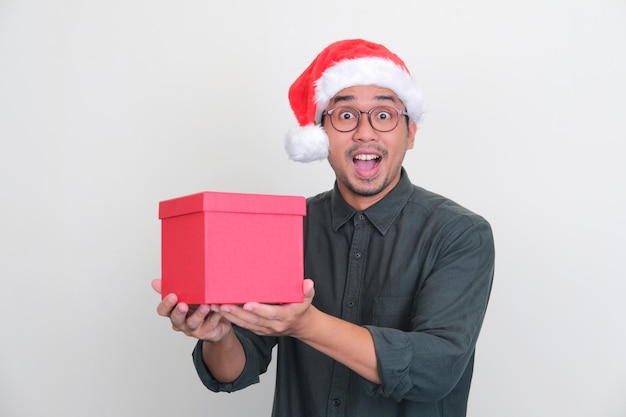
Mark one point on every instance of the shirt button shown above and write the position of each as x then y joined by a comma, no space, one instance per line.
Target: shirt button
336,402
351,303
358,255
361,216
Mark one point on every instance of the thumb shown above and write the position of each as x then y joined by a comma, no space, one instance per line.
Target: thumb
156,285
309,289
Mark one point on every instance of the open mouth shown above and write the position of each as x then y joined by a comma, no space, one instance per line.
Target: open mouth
366,162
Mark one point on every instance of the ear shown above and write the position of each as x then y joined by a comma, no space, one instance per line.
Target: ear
411,135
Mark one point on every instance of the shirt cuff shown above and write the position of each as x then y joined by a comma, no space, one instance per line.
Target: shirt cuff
248,376
394,356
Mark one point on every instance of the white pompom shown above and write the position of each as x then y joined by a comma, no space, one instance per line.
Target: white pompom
307,143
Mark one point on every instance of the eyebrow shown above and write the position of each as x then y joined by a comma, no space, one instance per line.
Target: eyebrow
339,99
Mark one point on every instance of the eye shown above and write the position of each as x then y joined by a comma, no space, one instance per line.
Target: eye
383,114
345,114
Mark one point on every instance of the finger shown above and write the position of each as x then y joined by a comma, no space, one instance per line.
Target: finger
196,319
214,319
263,319
166,305
178,316
241,317
258,310
256,322
156,285
272,312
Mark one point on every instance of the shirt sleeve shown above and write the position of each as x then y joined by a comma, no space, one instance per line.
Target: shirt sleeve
258,351
426,363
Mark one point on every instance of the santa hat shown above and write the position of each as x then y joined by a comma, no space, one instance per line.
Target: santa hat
341,65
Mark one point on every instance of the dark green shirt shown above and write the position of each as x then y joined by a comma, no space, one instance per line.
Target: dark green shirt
416,270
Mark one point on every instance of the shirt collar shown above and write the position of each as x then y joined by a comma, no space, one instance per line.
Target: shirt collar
382,214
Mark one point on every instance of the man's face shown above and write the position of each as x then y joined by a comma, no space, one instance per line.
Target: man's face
367,162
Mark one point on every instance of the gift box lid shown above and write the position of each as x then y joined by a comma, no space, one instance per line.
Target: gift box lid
233,203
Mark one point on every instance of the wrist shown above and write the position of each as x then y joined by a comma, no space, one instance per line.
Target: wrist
307,324
224,338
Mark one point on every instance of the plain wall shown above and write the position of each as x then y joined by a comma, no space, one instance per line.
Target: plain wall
108,107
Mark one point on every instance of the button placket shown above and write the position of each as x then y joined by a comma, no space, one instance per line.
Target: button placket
351,307
354,278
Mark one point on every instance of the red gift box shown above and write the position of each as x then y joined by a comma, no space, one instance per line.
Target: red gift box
231,248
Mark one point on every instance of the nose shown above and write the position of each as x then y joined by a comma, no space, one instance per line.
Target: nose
364,131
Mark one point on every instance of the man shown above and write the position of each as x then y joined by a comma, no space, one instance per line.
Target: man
399,277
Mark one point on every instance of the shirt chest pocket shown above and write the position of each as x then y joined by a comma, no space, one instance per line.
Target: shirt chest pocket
393,312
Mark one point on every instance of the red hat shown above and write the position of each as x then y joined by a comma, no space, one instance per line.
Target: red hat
341,65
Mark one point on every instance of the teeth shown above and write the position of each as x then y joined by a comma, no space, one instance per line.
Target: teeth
366,157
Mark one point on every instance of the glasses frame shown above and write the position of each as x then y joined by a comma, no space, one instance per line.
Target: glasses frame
329,113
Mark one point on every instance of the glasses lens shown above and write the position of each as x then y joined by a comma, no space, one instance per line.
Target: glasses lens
344,119
384,118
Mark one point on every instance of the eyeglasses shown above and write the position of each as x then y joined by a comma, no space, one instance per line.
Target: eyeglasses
381,118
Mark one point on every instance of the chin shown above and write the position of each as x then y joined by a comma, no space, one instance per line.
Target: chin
367,190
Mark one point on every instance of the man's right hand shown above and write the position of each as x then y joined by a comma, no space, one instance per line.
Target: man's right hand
201,322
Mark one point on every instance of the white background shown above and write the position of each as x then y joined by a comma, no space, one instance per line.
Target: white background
108,107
